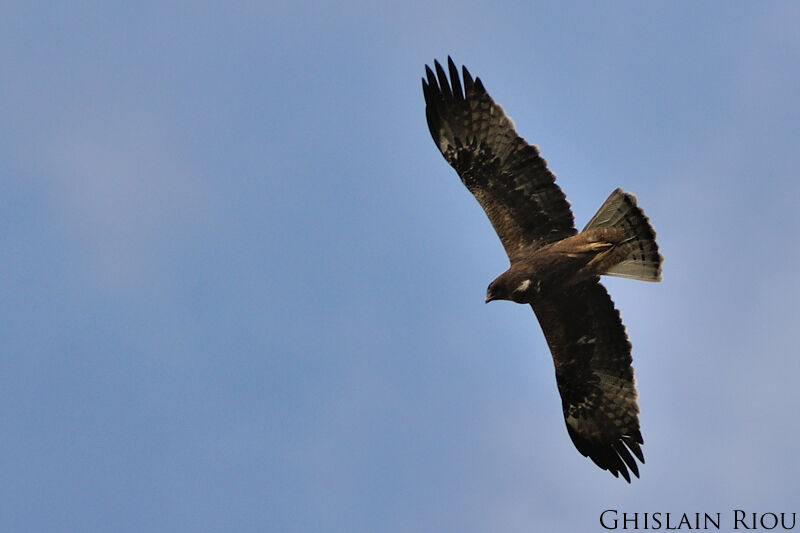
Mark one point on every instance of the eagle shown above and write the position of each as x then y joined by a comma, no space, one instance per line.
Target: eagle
553,267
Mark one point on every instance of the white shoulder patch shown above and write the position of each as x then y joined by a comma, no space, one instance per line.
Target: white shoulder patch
523,286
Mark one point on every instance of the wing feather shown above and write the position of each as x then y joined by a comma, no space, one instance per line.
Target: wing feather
592,358
506,175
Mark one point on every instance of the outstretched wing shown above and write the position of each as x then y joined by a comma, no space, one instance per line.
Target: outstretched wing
504,173
592,357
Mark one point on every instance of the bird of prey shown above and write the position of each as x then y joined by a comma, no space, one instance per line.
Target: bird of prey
553,267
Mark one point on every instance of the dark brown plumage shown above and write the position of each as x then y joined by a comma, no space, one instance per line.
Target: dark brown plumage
553,267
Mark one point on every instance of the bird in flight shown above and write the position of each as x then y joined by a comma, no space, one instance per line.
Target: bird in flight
553,267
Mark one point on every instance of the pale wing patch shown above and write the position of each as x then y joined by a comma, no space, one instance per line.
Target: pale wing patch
523,286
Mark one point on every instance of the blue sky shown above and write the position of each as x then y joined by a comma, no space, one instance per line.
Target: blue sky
242,290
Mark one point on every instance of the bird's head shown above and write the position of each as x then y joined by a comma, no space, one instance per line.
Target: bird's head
514,287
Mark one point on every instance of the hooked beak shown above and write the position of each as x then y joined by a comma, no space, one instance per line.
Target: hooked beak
489,298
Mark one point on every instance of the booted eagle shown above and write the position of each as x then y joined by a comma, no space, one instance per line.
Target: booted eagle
553,267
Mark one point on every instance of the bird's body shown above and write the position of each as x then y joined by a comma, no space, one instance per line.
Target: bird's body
553,267
560,264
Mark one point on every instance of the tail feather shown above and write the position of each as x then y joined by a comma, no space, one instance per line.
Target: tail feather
643,262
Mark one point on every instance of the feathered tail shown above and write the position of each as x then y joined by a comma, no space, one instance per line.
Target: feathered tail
643,262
